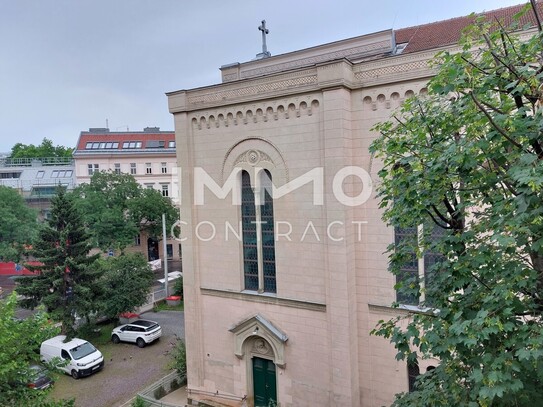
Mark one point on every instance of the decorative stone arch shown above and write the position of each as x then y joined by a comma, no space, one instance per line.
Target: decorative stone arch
255,152
259,337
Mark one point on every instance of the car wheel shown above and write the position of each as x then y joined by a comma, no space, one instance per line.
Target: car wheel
115,339
75,374
140,342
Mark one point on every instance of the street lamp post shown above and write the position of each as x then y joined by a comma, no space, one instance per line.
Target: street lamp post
165,253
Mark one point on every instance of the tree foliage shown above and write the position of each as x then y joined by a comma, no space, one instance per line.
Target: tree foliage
19,347
44,150
127,280
139,402
148,210
468,157
178,286
116,208
104,205
67,283
179,359
18,225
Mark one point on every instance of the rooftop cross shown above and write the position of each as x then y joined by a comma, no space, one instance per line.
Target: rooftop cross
265,53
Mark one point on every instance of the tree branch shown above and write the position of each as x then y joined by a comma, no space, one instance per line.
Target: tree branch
475,66
538,21
498,128
436,221
441,216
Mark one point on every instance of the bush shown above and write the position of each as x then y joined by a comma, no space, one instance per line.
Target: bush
139,402
178,287
179,362
159,393
88,331
174,385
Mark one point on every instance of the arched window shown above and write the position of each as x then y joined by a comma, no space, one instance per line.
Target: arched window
268,235
258,233
413,372
248,225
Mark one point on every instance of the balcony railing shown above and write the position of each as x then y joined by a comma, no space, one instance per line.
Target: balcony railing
35,162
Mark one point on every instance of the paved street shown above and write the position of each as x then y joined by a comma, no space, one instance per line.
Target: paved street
172,322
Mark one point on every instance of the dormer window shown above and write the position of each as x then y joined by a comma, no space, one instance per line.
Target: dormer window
155,144
132,144
91,145
399,48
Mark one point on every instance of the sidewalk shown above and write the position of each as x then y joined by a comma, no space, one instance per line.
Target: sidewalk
176,398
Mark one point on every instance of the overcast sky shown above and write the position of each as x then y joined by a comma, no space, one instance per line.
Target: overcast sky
68,65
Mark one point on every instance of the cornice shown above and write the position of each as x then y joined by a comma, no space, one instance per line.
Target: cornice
304,81
397,70
352,52
286,78
265,299
401,310
292,82
346,74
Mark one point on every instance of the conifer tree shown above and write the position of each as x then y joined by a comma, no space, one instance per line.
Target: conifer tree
67,281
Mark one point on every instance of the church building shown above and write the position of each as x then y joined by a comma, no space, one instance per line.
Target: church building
284,263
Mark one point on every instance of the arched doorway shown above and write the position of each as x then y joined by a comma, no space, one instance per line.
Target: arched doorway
262,345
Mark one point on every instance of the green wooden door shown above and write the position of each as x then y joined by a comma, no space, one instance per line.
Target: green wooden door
265,389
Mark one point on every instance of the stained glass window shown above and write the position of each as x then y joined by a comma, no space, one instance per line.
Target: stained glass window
268,235
248,224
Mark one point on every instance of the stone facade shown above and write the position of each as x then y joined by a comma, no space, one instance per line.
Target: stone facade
292,114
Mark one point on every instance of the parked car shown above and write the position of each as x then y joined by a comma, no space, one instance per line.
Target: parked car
141,332
79,356
37,377
40,378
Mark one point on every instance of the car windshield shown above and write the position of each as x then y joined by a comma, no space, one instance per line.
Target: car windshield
82,350
37,373
37,370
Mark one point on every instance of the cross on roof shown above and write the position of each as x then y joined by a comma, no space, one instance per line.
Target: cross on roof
265,53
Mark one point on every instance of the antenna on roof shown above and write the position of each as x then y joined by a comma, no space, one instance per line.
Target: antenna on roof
394,20
107,124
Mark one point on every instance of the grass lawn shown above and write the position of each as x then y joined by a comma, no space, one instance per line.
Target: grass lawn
100,337
163,306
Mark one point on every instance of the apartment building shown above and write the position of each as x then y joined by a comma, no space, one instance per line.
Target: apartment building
148,155
36,179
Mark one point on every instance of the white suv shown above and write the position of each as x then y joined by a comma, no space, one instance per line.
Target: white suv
140,332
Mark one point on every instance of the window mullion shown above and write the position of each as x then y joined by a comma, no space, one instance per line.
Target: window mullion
258,221
420,257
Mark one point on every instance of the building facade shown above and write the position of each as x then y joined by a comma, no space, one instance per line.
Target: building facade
37,179
282,293
148,155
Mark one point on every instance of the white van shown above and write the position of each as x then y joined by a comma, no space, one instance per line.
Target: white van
83,358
